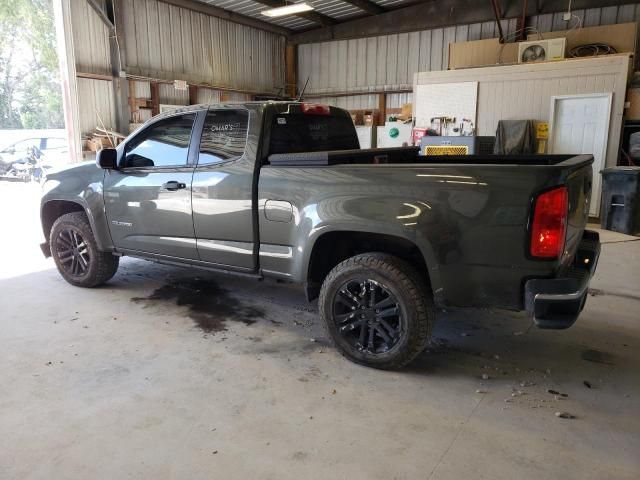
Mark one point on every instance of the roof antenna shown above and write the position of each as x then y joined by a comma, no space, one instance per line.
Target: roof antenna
303,89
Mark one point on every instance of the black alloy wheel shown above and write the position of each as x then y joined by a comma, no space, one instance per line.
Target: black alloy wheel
377,310
368,316
73,252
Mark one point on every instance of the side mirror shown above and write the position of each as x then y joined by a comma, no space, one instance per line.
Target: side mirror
107,158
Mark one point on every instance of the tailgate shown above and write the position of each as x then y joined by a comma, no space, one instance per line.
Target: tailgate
579,182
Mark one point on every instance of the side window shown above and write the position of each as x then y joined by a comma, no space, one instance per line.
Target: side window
54,143
163,144
23,146
224,136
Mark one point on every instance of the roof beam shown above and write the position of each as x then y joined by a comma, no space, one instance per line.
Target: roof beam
228,15
312,16
101,13
367,6
438,13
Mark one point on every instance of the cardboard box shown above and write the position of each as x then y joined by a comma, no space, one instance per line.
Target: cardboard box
98,143
407,111
633,97
481,53
357,118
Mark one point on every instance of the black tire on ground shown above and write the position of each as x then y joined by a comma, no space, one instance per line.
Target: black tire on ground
76,254
380,293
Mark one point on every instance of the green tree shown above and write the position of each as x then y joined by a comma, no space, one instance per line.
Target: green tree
30,95
10,19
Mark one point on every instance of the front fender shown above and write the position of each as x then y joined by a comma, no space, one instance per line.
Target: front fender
79,185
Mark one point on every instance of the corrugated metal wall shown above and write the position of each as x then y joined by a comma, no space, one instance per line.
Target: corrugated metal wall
388,62
169,42
590,17
90,40
165,41
364,102
91,48
206,95
96,104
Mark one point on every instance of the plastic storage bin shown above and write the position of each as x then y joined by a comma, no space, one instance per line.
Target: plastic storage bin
620,209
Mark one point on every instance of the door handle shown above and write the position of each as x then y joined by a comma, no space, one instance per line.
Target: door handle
173,185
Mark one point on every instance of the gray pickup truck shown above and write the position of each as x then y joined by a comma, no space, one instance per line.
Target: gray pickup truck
383,237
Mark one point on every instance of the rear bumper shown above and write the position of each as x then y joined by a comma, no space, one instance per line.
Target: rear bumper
557,302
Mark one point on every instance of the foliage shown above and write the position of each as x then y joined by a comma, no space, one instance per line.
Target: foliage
30,95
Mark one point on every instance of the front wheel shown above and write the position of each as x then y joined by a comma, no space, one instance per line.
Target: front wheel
76,254
377,310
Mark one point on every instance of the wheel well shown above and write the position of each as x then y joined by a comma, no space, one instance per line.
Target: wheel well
53,210
334,247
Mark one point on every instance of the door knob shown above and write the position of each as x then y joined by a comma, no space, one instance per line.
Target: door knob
173,185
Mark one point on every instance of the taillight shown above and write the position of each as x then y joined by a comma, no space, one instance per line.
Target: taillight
549,226
315,109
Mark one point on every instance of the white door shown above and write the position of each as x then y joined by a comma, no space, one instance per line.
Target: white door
580,124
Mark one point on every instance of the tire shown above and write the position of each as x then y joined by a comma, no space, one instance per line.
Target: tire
404,312
75,252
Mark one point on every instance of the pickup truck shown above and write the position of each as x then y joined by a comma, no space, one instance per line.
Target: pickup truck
382,237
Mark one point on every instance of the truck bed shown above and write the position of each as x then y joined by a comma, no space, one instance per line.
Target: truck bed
404,155
472,213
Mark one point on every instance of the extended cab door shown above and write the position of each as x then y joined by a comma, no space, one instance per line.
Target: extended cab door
223,207
148,199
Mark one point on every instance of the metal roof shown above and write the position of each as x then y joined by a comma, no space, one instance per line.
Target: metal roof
335,11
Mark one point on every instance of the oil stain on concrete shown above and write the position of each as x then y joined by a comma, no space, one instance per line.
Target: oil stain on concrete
209,305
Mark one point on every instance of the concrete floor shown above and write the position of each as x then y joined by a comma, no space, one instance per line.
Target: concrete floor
123,382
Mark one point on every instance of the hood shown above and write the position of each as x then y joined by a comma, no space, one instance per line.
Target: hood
74,179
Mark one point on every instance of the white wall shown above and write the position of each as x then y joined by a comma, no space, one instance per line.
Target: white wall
522,92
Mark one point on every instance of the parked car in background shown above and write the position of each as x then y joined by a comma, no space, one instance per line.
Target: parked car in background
18,157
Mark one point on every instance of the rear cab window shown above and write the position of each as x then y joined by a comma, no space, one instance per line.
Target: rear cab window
224,136
300,132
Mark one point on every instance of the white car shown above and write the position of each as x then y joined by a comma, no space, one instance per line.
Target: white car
53,151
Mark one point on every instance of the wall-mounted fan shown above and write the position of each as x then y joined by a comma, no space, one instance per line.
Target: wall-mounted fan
541,50
533,53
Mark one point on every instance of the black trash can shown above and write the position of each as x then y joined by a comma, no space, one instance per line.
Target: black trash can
620,209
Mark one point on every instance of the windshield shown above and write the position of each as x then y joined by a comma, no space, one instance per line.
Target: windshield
295,133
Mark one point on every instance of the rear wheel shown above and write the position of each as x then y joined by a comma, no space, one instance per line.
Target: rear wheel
75,252
377,310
